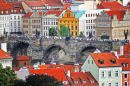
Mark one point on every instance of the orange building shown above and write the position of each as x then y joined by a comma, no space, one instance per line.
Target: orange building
70,21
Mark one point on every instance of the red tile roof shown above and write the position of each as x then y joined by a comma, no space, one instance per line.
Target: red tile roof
125,60
23,57
42,3
58,73
41,67
57,12
67,5
16,68
30,13
126,50
11,6
4,55
76,76
111,5
118,13
106,57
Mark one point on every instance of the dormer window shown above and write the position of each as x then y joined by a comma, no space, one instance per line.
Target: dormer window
113,60
6,12
12,11
101,61
76,82
15,11
92,81
125,64
2,12
82,80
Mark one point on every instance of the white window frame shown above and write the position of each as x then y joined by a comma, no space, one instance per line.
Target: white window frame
102,74
116,84
117,73
109,73
109,84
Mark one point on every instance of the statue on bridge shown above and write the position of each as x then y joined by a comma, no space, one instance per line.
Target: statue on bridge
126,34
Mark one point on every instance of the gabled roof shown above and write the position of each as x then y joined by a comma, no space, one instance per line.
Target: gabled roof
118,13
125,60
79,76
58,73
57,12
106,57
23,57
4,55
111,5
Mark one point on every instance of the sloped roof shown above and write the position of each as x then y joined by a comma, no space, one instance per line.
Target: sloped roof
16,68
23,57
4,55
58,73
126,50
57,12
106,57
14,6
111,5
125,60
118,13
76,76
42,3
40,66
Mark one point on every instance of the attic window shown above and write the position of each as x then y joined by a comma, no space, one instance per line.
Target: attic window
101,61
125,64
113,60
83,81
92,81
76,82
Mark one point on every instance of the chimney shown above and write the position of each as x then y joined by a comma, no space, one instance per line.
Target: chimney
68,73
115,53
4,46
121,50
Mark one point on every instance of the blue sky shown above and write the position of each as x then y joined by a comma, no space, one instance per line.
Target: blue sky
125,2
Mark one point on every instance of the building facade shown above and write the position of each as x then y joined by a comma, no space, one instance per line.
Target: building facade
50,20
31,22
105,68
71,22
115,24
87,22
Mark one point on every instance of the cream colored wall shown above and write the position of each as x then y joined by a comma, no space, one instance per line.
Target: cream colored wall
89,5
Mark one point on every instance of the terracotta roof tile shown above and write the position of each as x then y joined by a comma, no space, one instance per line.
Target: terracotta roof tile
23,57
118,13
83,76
58,73
4,55
16,68
57,12
111,5
106,57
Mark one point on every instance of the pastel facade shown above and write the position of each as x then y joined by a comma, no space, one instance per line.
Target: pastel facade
87,21
101,66
69,21
113,24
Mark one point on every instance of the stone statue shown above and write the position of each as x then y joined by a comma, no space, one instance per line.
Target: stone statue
126,34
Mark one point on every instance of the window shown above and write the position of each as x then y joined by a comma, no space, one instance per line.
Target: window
120,33
76,27
10,17
103,84
114,33
18,17
125,83
113,60
86,15
102,74
103,33
14,17
88,61
125,64
116,84
116,73
24,64
72,27
125,75
109,84
109,73
92,61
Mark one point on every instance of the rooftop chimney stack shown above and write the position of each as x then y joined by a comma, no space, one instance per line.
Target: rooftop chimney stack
121,50
4,46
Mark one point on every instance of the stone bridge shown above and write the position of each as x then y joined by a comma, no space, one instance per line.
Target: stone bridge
59,49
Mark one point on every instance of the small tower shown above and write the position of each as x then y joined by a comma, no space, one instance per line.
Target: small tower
23,61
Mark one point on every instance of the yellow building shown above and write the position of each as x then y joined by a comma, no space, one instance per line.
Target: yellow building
70,21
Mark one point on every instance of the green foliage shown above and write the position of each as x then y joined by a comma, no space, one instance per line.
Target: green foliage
7,76
81,35
38,80
104,37
63,31
52,31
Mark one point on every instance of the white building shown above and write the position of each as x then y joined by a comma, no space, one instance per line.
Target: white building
76,7
5,58
87,21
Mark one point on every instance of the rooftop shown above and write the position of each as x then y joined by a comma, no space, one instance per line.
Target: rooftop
4,55
23,57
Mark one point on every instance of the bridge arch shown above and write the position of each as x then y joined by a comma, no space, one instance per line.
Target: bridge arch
52,49
85,51
19,48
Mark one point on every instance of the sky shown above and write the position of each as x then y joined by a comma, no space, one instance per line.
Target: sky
125,2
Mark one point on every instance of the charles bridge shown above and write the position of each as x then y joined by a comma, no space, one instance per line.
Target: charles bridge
59,49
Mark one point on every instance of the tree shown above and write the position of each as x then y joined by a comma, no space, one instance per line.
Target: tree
39,80
104,37
63,31
7,76
52,32
81,35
